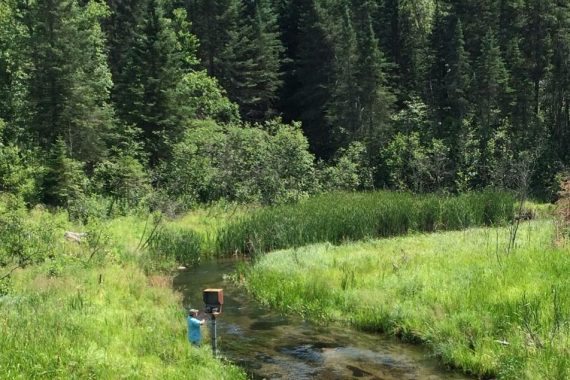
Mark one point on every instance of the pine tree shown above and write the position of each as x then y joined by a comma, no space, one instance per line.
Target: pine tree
251,60
375,99
456,82
145,89
343,110
120,27
438,67
537,44
213,23
267,62
490,85
477,17
309,79
557,94
14,58
70,80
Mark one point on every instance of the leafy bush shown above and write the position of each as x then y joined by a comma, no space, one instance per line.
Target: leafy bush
350,171
124,179
203,98
267,163
415,165
25,240
18,170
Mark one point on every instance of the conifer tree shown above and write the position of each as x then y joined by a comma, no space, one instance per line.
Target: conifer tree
145,90
557,94
251,60
70,80
439,53
456,81
213,23
14,58
375,99
311,76
490,88
490,85
343,110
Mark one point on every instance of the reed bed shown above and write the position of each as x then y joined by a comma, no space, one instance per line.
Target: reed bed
343,217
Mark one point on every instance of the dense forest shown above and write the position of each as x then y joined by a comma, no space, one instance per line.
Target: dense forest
169,103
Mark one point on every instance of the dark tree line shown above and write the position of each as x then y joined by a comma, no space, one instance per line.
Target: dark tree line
433,95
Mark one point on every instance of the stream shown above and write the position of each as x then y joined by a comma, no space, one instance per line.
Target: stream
269,345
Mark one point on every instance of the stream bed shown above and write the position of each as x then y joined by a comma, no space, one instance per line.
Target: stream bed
269,345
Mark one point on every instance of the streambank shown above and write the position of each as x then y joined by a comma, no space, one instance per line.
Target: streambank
104,321
271,345
478,308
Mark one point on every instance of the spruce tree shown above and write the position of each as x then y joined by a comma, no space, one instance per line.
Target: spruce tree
490,88
145,89
344,108
213,22
557,94
14,58
490,85
310,79
375,99
456,82
69,83
439,53
267,62
251,60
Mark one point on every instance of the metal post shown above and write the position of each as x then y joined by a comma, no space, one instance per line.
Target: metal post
214,337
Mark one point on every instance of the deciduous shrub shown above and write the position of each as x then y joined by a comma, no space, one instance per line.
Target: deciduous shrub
268,163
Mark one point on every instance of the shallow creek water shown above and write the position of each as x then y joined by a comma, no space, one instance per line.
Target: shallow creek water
272,346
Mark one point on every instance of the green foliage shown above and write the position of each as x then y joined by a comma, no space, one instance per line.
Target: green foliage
350,171
417,166
69,80
124,179
65,182
267,163
25,241
19,170
201,97
341,217
251,58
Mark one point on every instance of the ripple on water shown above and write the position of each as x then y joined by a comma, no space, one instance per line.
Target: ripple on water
305,352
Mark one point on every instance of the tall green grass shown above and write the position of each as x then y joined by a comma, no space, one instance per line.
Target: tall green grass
341,217
101,322
182,245
489,313
88,310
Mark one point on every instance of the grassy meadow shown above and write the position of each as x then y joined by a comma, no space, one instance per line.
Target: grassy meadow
98,309
480,309
105,308
104,322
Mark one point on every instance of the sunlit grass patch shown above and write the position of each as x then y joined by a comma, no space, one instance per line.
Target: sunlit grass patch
104,322
485,311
